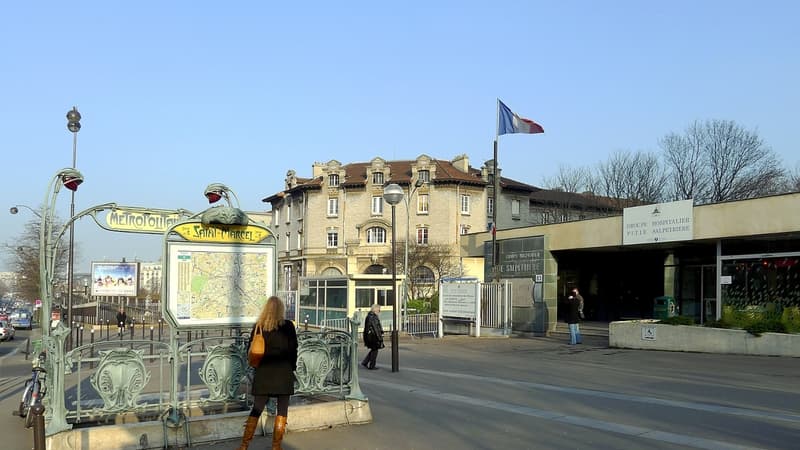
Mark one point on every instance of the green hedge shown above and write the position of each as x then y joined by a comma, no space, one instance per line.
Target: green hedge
678,320
755,320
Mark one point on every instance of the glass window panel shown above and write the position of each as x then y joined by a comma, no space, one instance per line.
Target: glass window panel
363,298
337,297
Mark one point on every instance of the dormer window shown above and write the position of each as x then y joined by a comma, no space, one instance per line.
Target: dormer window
424,176
333,180
377,178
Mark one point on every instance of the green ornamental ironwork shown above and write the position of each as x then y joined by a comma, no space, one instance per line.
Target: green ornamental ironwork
120,378
224,215
223,370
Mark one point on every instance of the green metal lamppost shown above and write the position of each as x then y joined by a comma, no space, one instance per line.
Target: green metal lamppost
393,194
71,179
53,339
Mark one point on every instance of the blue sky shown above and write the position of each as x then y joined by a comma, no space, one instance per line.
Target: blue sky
175,95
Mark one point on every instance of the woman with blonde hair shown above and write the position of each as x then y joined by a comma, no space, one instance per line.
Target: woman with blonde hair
274,376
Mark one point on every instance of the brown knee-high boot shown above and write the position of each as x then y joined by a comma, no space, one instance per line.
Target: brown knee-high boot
278,431
249,430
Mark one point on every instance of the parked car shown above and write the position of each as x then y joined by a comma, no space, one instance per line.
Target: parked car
6,331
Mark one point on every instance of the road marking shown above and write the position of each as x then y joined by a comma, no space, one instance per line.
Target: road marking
786,417
8,383
601,425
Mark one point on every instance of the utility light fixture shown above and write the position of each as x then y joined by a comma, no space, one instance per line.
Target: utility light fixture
217,191
70,178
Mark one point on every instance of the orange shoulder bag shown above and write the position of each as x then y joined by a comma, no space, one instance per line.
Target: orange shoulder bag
257,347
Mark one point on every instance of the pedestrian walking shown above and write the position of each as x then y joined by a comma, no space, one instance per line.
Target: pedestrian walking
373,336
274,376
122,319
574,315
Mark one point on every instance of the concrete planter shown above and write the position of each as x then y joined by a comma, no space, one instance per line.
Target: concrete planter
648,335
207,429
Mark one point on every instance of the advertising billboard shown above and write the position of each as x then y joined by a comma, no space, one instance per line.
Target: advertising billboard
119,278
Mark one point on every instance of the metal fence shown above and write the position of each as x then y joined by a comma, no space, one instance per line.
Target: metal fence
335,324
154,373
496,305
423,324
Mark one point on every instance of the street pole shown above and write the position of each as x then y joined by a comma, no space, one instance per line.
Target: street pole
73,125
393,194
395,336
495,188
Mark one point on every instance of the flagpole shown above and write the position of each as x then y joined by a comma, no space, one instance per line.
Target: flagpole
495,188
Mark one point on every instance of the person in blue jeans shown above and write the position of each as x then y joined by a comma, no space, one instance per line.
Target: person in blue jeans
574,315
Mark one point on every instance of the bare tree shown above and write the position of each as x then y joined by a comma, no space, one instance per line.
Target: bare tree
683,154
570,179
5,289
438,258
718,160
637,177
23,255
793,179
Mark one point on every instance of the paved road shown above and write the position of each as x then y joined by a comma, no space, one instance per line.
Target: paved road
520,393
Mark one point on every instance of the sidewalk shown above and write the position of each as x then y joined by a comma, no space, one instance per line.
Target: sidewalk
15,370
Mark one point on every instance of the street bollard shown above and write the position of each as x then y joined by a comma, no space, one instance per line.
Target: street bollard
151,339
143,330
133,324
120,330
80,339
160,329
306,322
108,326
27,348
39,442
91,350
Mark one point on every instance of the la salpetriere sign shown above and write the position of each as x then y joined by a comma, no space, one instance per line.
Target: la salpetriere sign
661,222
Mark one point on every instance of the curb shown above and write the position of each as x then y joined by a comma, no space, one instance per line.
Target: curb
209,429
14,351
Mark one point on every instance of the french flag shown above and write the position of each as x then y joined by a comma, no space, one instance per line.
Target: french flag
509,122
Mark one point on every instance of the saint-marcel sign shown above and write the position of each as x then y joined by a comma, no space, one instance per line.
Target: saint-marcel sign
217,275
661,222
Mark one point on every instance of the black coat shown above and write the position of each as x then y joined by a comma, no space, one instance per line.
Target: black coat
574,309
373,331
275,374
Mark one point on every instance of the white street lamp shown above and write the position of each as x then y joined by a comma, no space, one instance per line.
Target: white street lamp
393,194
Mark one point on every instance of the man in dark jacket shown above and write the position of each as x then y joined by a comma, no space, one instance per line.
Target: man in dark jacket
122,319
574,313
373,336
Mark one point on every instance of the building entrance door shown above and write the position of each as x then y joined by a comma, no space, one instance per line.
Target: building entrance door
699,292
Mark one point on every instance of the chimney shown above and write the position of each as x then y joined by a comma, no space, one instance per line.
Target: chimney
318,169
461,162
